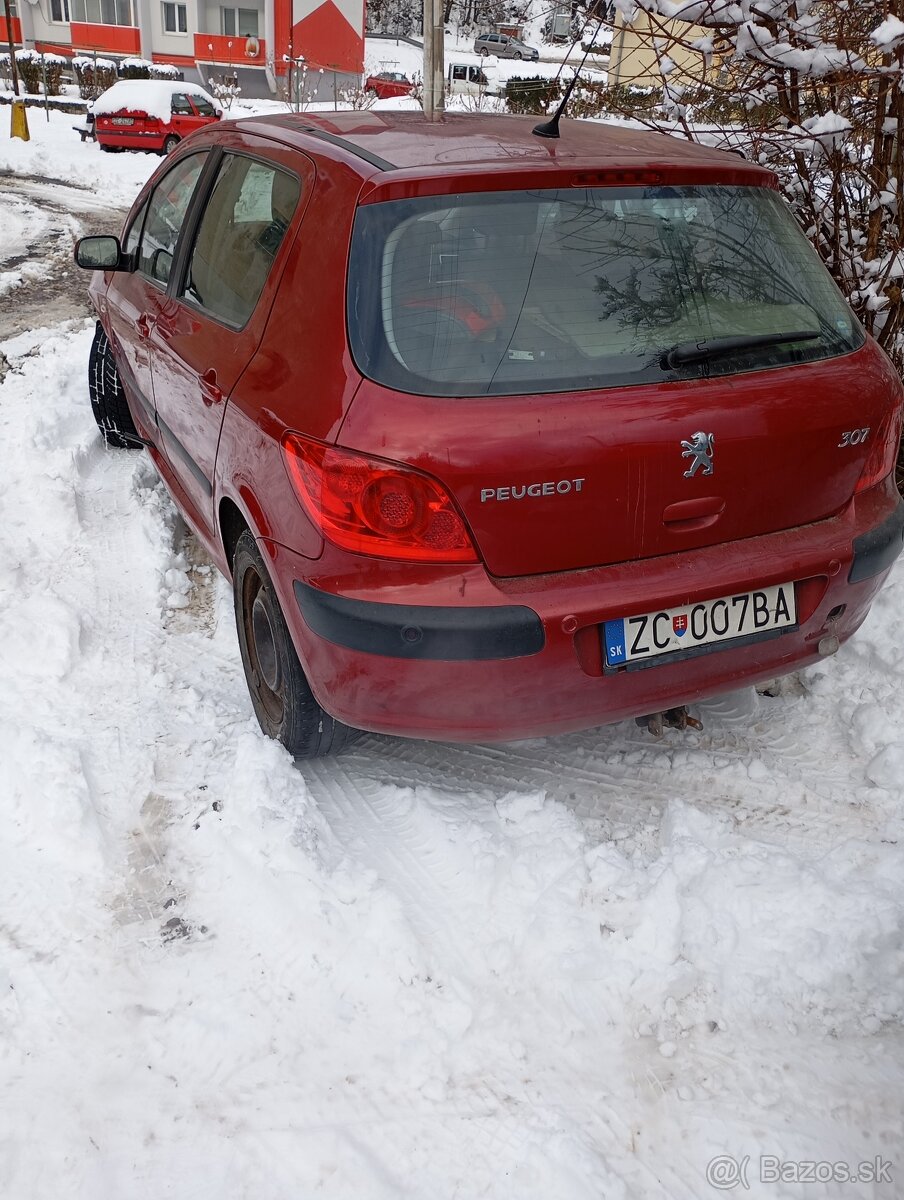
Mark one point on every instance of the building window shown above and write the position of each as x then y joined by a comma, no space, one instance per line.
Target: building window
103,12
59,10
175,18
239,22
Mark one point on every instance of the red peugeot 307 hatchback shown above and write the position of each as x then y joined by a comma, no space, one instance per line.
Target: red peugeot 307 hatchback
497,436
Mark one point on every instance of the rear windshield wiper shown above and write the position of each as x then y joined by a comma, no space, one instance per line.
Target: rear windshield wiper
700,351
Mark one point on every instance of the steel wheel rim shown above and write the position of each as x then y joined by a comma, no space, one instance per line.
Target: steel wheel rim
263,657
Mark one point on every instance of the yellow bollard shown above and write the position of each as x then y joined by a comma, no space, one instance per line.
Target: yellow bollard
19,123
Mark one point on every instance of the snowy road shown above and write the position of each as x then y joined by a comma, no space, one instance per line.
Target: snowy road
568,969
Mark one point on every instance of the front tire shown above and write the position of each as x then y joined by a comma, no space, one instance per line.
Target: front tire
108,400
280,693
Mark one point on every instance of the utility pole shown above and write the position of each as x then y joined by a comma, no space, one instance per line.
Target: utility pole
434,61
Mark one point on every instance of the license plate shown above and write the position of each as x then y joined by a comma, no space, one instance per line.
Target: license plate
122,120
650,635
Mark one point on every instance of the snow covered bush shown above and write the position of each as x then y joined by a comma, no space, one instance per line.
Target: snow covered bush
93,75
134,68
164,71
813,90
35,69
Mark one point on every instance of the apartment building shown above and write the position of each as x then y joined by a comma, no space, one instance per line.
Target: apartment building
250,39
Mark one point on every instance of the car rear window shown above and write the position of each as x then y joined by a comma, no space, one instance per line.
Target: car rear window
567,289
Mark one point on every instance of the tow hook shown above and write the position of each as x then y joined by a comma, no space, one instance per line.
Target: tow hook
673,718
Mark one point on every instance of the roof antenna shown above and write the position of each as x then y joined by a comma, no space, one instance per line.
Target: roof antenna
550,129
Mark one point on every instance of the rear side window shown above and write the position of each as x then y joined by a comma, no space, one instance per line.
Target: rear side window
240,233
585,288
165,217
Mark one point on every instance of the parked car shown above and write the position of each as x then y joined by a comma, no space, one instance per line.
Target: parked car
542,435
388,84
465,79
504,46
150,114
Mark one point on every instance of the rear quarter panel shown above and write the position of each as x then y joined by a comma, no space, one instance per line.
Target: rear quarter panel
302,377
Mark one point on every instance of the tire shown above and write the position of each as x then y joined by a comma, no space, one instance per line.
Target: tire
105,148
517,54
483,52
108,400
282,698
170,144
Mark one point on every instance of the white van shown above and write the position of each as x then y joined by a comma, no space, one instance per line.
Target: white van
466,79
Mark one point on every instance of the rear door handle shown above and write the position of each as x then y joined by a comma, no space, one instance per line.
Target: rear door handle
210,392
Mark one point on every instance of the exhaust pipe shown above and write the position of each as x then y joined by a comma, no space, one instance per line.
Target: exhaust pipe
673,718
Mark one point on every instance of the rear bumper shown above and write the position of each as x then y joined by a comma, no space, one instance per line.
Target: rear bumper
461,656
132,139
877,549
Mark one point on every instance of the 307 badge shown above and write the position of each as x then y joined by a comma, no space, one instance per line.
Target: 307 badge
745,615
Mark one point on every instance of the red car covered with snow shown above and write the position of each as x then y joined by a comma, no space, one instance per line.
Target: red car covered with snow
388,84
497,437
151,114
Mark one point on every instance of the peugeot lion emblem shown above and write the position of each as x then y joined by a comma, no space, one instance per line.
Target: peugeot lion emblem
700,451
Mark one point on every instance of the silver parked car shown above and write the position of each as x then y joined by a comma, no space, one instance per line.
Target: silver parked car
504,46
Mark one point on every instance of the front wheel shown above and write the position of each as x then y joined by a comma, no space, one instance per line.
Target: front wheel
282,698
108,400
517,55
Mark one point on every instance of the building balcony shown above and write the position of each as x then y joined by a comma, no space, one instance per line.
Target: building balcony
16,32
115,39
229,51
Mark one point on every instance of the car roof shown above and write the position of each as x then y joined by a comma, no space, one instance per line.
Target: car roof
405,141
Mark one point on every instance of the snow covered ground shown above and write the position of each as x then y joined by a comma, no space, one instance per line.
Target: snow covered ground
558,970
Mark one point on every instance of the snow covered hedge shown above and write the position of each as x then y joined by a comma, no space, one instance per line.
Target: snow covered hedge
817,87
94,75
35,70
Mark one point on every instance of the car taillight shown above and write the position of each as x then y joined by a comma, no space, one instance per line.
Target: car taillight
374,506
883,453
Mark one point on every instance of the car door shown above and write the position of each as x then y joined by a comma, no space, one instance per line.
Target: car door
185,119
211,323
203,108
134,297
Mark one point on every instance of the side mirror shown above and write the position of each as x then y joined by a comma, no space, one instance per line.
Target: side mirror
100,254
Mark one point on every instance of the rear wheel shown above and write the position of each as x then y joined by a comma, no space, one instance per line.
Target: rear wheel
283,701
108,400
170,144
483,52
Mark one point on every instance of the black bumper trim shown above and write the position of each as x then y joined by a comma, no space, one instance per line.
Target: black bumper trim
876,550
422,631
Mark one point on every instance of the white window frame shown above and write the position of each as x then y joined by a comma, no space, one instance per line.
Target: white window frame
87,18
64,9
180,14
235,9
